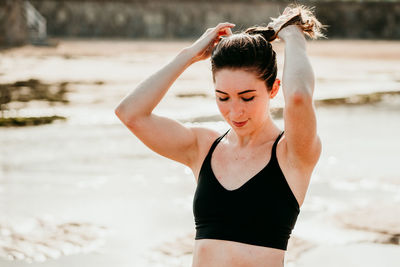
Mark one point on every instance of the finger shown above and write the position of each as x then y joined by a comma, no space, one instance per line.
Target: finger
225,31
224,25
286,10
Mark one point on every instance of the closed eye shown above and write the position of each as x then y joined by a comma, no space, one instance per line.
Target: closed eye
244,99
248,99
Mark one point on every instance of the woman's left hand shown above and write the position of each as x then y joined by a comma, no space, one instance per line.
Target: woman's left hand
278,22
291,30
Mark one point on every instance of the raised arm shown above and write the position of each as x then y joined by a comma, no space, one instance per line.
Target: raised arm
166,136
163,135
303,143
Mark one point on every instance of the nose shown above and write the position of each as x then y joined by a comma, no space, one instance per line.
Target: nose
237,112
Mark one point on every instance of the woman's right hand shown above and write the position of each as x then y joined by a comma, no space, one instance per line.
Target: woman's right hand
202,48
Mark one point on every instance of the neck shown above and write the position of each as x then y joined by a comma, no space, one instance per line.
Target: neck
264,133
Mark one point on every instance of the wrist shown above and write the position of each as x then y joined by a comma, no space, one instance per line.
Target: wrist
291,32
188,55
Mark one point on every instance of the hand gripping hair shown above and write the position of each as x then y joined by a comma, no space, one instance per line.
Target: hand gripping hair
293,15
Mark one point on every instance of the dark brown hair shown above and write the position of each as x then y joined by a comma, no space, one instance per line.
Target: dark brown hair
252,51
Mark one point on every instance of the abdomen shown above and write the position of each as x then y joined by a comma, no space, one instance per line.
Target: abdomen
222,253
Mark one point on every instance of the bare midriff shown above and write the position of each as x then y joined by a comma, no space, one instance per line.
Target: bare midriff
221,253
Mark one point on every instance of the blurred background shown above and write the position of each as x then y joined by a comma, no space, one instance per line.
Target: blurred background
77,188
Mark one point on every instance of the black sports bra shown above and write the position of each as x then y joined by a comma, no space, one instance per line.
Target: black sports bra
262,212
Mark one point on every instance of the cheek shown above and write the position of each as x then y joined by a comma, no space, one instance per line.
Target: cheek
259,108
223,108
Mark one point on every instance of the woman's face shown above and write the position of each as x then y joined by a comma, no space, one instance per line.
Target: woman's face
242,99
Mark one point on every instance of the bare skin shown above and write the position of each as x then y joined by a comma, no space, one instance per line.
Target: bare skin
244,150
240,155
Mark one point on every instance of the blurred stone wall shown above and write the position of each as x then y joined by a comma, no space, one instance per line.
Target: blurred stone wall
189,19
13,29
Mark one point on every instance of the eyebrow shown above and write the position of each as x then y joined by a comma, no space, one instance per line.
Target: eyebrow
240,93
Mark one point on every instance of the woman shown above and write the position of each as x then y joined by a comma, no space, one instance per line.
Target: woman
243,216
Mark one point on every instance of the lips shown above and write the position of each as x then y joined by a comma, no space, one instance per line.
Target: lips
239,124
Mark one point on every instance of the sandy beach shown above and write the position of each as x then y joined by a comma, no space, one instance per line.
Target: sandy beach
86,192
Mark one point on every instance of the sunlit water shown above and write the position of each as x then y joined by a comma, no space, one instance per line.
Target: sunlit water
92,169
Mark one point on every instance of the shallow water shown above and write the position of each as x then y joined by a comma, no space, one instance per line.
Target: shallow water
92,169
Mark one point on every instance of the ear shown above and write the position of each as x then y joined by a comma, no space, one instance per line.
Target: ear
275,88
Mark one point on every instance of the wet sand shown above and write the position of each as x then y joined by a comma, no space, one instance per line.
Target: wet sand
91,169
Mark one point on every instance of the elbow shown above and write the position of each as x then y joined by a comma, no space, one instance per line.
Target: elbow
122,115
130,119
118,112
299,98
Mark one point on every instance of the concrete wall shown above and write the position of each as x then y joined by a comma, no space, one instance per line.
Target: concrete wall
189,19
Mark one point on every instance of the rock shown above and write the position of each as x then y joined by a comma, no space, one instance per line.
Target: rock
37,240
351,255
382,218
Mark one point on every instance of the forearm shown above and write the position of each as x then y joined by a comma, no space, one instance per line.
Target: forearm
146,96
298,75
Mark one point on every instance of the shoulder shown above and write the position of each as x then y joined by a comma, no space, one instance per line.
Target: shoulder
205,138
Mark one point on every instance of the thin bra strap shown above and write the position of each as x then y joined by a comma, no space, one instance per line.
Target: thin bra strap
217,141
275,145
222,136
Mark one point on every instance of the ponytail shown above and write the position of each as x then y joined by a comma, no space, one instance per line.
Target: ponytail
296,15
